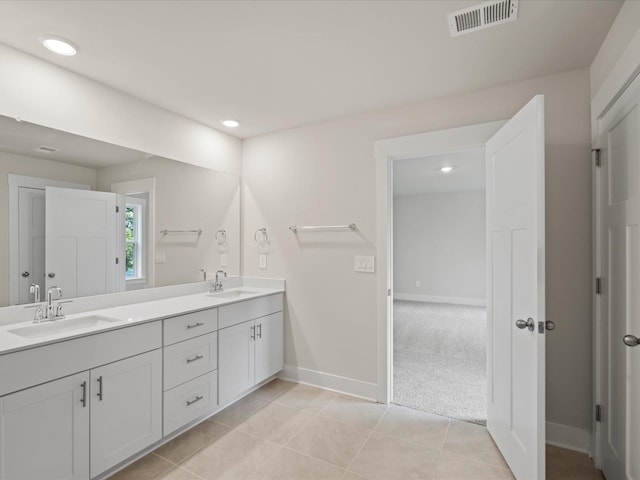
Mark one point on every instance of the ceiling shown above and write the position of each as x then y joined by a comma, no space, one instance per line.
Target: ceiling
273,65
25,138
422,175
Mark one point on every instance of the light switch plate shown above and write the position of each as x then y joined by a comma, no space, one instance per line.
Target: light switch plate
263,262
223,260
161,256
364,263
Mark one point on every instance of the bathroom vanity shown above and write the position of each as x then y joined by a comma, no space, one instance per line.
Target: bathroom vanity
81,396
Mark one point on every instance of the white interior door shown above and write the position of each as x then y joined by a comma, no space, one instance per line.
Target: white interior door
618,253
81,242
516,291
31,247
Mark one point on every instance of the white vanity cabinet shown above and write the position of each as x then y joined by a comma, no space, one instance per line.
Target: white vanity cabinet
190,358
96,401
126,409
250,344
44,431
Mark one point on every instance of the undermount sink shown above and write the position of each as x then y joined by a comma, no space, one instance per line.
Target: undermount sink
232,293
55,327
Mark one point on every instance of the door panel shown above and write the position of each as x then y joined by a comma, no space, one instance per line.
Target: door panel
31,205
126,409
81,246
618,182
516,283
269,346
236,360
44,432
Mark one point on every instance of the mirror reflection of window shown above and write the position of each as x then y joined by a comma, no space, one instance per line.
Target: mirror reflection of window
135,223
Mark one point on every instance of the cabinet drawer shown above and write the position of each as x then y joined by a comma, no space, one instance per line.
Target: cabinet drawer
248,310
189,359
183,327
189,401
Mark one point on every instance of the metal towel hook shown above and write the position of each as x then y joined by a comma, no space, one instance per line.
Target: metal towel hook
261,236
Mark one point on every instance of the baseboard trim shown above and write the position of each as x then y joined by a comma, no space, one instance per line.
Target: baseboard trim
566,436
328,381
413,297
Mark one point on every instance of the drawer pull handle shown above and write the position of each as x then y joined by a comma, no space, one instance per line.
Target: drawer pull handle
197,357
199,324
197,399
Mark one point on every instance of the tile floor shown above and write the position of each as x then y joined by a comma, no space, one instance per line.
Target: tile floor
292,431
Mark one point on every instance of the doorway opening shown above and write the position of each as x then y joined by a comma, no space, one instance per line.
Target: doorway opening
439,275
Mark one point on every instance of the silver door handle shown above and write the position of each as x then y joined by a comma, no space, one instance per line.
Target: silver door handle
631,340
528,323
83,400
549,325
100,387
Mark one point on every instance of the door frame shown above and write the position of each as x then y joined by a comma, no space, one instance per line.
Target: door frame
386,151
15,183
626,69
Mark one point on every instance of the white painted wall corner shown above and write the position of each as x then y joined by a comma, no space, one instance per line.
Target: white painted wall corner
328,381
566,436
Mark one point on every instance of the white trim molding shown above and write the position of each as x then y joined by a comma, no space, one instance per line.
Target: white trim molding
386,151
329,381
414,297
566,436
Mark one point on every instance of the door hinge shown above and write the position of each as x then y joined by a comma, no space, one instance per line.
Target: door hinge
598,413
117,209
388,292
598,285
596,152
117,260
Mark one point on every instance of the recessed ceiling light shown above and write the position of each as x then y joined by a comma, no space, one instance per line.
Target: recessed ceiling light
446,169
230,123
59,45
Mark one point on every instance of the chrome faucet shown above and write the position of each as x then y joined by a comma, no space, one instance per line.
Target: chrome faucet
217,286
50,311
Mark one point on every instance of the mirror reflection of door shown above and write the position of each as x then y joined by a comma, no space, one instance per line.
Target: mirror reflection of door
81,247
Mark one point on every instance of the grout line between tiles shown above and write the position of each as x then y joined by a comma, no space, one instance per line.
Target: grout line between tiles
373,430
444,440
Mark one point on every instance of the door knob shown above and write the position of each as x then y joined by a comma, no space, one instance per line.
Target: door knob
631,341
528,323
549,325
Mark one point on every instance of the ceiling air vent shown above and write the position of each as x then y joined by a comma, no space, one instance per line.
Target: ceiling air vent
45,149
484,15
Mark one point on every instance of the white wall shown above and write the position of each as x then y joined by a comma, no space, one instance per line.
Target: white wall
439,239
325,173
45,94
32,167
624,27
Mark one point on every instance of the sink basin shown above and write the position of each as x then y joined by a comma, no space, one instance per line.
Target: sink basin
232,293
56,327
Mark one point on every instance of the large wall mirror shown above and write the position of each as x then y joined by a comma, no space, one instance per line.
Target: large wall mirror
92,218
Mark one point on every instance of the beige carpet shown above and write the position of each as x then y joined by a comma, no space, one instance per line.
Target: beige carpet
439,359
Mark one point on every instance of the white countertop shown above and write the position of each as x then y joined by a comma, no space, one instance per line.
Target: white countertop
126,316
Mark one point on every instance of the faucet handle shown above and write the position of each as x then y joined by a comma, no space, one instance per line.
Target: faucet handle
38,315
59,311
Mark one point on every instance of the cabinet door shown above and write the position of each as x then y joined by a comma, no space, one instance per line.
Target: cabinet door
126,409
235,360
44,431
269,346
